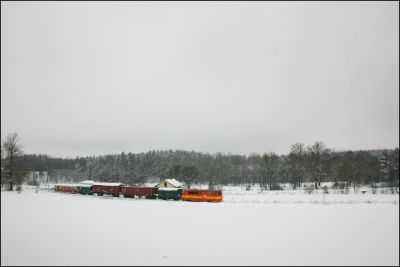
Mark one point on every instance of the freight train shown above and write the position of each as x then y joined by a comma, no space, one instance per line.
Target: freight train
127,191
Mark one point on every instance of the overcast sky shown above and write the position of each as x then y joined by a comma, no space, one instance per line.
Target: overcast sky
233,77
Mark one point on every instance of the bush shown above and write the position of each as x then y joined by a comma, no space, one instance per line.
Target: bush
309,189
5,187
276,187
325,190
19,188
374,188
33,183
345,190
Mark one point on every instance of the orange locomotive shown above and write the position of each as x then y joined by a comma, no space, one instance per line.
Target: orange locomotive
199,195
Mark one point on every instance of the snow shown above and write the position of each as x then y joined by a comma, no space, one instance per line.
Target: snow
49,228
150,184
108,184
88,182
235,195
84,185
174,182
67,184
167,189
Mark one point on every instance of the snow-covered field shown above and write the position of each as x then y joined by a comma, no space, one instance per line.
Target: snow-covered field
239,195
248,228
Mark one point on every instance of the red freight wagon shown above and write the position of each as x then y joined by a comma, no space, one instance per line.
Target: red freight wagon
65,188
201,195
132,191
107,188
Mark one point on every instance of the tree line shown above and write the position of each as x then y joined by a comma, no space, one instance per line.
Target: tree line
305,163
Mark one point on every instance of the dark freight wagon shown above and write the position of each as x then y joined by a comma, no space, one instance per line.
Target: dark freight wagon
169,193
107,189
132,191
84,189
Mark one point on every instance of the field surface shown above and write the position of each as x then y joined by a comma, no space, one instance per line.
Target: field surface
248,228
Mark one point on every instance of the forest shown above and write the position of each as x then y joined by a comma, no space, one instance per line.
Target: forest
305,163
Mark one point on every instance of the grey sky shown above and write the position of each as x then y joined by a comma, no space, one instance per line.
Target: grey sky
240,77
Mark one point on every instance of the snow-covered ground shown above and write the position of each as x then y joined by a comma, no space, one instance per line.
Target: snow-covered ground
240,195
248,228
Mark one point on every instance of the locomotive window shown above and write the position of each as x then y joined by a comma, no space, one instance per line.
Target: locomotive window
193,192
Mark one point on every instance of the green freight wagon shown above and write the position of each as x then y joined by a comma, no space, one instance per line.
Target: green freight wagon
169,193
84,189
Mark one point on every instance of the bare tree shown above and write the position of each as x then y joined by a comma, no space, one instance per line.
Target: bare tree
189,175
175,171
269,169
385,165
316,154
12,151
389,167
296,162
